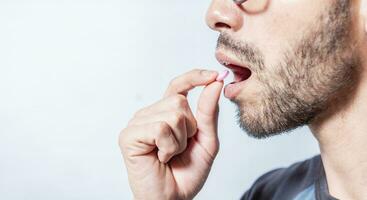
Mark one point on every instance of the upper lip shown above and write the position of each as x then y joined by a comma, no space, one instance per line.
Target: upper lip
229,61
241,72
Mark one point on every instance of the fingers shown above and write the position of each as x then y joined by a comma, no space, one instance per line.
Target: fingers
207,109
182,84
169,123
174,103
207,117
142,139
170,103
176,121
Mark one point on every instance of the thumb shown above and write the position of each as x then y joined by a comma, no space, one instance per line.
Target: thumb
207,116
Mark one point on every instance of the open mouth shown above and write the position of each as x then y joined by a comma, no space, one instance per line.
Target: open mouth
241,74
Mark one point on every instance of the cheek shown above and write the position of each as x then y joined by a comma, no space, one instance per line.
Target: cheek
281,26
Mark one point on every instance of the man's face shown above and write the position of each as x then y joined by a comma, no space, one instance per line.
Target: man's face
290,58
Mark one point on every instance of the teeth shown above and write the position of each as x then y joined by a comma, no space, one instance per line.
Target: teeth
225,63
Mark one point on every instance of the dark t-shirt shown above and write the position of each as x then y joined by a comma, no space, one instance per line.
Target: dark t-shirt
301,181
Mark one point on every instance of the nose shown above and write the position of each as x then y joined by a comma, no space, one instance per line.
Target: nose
224,15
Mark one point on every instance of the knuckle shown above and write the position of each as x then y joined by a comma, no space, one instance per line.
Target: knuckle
195,71
182,146
139,113
131,122
162,128
174,81
216,147
171,149
179,100
177,118
194,123
123,138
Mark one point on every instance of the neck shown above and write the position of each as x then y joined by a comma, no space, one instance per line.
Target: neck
342,135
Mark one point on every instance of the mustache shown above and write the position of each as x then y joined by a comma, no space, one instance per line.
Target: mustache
245,51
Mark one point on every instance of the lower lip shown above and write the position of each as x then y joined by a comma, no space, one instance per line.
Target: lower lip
233,89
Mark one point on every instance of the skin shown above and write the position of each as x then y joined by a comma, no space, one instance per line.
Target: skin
312,68
165,126
168,152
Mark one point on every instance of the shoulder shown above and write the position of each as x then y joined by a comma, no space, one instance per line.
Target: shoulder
285,183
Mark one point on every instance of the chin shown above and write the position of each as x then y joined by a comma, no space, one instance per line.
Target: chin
260,123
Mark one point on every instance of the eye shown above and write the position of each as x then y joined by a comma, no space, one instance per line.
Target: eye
238,2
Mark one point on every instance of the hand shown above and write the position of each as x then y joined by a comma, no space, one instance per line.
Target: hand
167,151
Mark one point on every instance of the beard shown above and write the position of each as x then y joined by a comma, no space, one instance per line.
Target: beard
314,70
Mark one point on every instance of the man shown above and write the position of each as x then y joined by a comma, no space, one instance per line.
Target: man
299,62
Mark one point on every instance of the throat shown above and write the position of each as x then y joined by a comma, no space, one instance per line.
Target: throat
342,137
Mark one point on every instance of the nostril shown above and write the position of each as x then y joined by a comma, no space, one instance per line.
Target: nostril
220,25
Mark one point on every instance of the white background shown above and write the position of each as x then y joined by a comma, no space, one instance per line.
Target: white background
73,72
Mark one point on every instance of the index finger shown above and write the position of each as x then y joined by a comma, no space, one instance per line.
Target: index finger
184,83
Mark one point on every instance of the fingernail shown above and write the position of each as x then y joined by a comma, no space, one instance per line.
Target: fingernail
208,73
222,75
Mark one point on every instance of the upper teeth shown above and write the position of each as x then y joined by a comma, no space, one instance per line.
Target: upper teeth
225,63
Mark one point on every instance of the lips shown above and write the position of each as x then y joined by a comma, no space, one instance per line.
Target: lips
240,71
